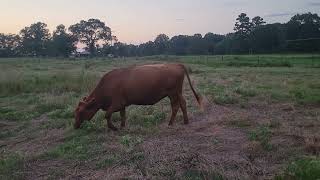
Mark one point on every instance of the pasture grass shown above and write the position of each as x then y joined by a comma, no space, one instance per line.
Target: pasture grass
263,135
11,166
106,162
80,145
193,174
303,168
51,88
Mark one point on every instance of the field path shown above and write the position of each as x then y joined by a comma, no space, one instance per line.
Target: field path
204,146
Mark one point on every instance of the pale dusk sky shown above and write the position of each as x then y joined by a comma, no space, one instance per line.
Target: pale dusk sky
137,21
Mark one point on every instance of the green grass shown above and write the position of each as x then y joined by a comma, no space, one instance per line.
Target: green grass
79,146
246,92
309,61
201,175
241,123
130,141
145,117
307,168
263,135
106,162
11,166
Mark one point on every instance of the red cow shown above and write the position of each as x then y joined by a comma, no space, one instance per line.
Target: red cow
136,85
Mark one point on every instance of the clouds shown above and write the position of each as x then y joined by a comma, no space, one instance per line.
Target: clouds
235,3
280,14
312,4
179,19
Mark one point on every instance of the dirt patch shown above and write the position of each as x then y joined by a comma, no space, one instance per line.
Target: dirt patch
211,143
33,141
61,169
202,145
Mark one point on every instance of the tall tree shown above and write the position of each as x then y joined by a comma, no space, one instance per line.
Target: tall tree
91,32
63,44
242,29
303,26
162,43
268,38
147,49
229,45
243,25
9,44
179,45
35,39
211,40
304,31
257,21
197,44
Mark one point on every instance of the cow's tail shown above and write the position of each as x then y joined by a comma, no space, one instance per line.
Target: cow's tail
198,97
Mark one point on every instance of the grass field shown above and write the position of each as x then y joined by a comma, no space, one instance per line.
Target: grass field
261,121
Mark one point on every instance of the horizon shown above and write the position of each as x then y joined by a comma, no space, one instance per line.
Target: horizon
145,19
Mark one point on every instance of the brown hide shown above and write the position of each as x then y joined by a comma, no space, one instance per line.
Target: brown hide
138,85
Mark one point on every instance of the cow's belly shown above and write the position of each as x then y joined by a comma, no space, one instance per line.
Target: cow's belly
147,101
145,97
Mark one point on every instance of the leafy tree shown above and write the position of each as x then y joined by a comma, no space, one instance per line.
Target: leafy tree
147,49
305,27
62,44
211,40
268,38
162,43
243,25
34,39
179,45
196,45
91,32
9,45
257,21
229,45
242,29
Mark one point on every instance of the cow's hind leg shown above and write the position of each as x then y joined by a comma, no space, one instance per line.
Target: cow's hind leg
123,117
183,106
174,107
108,117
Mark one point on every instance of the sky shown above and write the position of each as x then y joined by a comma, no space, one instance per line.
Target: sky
138,21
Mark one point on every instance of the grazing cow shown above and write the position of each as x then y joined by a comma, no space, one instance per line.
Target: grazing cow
136,85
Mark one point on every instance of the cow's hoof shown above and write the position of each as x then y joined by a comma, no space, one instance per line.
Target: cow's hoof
113,128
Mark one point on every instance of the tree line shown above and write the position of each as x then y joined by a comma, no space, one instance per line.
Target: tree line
300,34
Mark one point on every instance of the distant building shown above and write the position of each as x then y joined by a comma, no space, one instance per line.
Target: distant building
84,54
81,53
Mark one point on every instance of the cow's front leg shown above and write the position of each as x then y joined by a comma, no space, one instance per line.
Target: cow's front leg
110,125
123,118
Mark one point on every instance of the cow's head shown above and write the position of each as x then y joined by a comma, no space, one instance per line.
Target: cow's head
86,109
